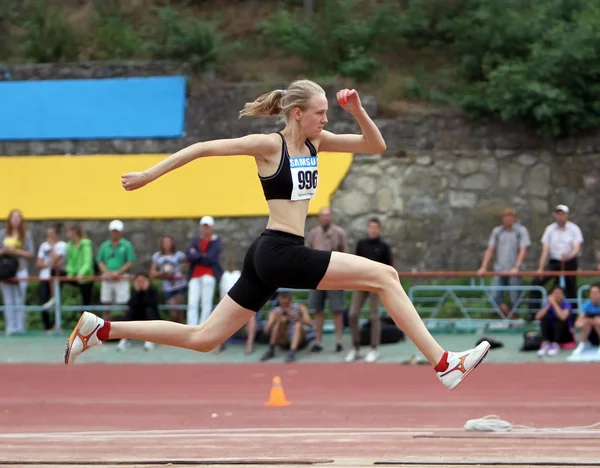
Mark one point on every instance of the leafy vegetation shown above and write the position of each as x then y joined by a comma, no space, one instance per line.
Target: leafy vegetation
47,35
536,63
338,40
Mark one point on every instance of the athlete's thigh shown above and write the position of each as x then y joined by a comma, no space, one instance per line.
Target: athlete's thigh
352,272
226,319
250,291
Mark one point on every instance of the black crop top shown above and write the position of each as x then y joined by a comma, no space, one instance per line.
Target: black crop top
295,179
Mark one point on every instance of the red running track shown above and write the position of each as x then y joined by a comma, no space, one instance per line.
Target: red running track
338,410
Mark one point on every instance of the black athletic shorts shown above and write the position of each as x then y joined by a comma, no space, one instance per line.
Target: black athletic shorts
275,260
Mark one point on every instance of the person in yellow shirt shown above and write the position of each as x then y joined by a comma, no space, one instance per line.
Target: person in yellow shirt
17,243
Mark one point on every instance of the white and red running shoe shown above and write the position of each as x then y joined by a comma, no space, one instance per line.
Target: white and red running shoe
461,364
83,336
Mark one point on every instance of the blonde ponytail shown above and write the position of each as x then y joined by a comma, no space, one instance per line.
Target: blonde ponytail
282,101
265,105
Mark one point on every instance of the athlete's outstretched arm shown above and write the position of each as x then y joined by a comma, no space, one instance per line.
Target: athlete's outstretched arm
371,141
254,145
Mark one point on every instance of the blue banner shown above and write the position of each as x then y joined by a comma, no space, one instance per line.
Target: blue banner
152,107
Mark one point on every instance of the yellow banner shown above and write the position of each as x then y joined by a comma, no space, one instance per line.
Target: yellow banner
89,187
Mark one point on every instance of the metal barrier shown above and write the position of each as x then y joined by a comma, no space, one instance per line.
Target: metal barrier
450,294
580,292
453,294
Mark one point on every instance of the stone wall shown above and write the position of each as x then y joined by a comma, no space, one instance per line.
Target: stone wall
438,189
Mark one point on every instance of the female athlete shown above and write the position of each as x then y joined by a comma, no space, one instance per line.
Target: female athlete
288,171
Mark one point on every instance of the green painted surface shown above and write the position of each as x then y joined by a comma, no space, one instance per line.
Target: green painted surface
42,348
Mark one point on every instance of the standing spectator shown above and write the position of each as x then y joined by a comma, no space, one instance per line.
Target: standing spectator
561,244
331,237
374,248
115,258
589,318
510,242
16,243
228,279
205,271
166,265
51,261
80,262
556,321
142,305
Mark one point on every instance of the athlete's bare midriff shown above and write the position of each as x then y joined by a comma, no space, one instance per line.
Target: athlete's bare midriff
288,216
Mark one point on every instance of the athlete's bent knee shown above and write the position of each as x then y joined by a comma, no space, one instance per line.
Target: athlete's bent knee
204,346
203,343
388,277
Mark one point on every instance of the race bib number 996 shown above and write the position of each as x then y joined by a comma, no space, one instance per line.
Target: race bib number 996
305,177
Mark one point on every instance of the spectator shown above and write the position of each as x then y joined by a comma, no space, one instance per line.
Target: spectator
589,318
205,271
228,279
115,258
331,237
556,321
142,305
251,330
80,262
374,248
561,244
166,265
287,327
16,247
51,261
509,242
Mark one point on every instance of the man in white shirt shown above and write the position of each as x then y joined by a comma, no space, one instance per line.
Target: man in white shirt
561,245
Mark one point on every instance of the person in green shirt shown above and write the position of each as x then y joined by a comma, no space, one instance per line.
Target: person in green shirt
80,262
115,257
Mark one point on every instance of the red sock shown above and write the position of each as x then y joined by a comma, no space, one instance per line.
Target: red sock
102,334
443,364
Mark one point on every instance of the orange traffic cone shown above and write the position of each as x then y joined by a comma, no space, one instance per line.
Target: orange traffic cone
277,397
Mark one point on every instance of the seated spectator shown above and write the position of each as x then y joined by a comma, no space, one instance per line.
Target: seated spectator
589,318
556,320
286,327
142,305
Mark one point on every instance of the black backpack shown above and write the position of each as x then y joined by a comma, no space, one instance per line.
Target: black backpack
390,332
532,341
9,264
